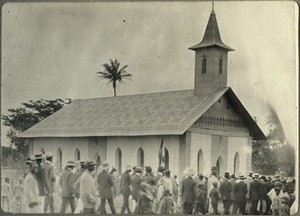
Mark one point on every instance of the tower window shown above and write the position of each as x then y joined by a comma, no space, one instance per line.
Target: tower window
220,64
204,64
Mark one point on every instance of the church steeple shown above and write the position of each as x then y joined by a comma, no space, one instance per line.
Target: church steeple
211,59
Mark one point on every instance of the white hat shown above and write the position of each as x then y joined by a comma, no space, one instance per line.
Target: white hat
189,171
105,165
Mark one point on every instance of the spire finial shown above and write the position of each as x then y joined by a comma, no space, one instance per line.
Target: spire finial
213,4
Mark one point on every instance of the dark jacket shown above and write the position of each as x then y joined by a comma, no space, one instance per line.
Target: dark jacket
225,189
105,184
49,176
188,190
232,193
254,190
214,195
66,183
241,191
158,177
263,191
41,180
136,186
125,183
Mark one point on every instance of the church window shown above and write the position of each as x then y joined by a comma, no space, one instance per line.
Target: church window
166,158
77,155
119,160
220,65
140,157
204,60
59,159
42,151
97,159
236,163
200,162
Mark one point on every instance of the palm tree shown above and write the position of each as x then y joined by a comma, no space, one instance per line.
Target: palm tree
112,73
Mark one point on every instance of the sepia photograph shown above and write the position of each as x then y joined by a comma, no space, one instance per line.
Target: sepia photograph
153,107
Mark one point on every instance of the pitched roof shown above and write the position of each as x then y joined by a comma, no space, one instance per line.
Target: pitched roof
165,113
212,35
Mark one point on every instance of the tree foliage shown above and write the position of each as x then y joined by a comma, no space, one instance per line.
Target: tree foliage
114,74
28,114
274,155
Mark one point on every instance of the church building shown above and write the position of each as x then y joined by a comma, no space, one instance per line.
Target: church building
200,128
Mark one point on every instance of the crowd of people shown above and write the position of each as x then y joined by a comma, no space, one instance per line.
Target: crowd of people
85,189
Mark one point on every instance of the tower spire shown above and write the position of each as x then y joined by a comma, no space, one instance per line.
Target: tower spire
212,4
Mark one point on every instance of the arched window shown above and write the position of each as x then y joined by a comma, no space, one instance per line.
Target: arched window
118,160
204,60
200,161
42,151
166,158
220,65
140,157
77,154
59,159
219,166
236,165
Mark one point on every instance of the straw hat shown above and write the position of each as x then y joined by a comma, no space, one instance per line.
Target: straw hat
70,164
189,171
105,165
128,167
48,155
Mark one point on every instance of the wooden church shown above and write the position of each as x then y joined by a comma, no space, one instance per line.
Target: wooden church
200,128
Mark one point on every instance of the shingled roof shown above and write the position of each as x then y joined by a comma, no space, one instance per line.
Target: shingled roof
165,113
212,35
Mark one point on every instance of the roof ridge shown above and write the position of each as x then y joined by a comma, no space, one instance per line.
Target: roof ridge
133,95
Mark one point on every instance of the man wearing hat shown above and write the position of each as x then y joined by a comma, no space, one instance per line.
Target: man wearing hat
41,177
88,189
125,189
160,174
213,178
105,184
248,180
263,191
31,190
148,174
188,191
49,183
232,193
66,183
254,194
240,195
225,190
136,185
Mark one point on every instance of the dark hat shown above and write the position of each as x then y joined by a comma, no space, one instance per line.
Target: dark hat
139,169
89,163
277,188
214,172
215,183
241,176
213,168
263,177
161,169
148,168
38,156
200,175
232,176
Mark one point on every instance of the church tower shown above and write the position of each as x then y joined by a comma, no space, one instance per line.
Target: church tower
211,60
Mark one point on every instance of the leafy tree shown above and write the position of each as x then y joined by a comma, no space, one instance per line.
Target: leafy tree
113,73
21,118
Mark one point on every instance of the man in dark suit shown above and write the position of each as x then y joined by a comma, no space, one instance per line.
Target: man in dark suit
105,184
263,191
240,195
125,189
136,183
188,191
67,192
254,194
41,177
50,180
225,190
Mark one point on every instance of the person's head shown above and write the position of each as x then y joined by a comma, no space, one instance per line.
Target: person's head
277,190
105,166
175,176
90,165
215,184
139,170
200,176
283,188
128,168
49,156
250,174
232,176
70,165
39,158
227,175
167,173
148,169
33,167
214,173
152,182
6,179
161,169
20,180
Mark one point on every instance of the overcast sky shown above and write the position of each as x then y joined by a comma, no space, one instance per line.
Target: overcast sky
53,50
